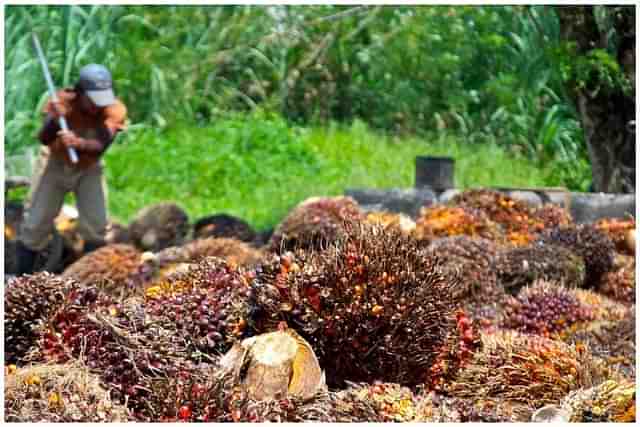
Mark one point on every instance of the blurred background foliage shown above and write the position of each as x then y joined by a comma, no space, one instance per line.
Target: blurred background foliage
481,74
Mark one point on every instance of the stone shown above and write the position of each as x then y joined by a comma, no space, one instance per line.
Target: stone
398,200
590,207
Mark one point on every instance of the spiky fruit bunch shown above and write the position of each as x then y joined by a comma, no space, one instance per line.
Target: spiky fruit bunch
551,310
526,368
595,247
65,393
212,394
546,309
434,408
314,223
116,341
169,281
614,341
211,312
28,302
613,401
373,307
514,216
223,225
111,265
605,309
477,249
389,219
63,323
619,231
443,221
392,402
456,352
519,267
159,226
620,283
551,215
233,251
471,259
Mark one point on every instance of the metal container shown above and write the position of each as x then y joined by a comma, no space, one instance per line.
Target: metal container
435,172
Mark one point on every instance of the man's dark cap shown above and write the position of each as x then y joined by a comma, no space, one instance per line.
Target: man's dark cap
95,80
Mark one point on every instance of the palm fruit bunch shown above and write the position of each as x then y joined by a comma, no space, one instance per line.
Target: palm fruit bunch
168,281
620,283
436,408
612,401
552,310
614,341
158,266
212,394
515,217
372,306
622,233
267,367
314,223
111,266
210,312
526,368
389,219
605,309
62,325
60,393
391,402
223,225
194,393
116,341
594,246
159,226
29,300
518,267
456,352
551,215
545,308
243,388
378,402
443,221
470,258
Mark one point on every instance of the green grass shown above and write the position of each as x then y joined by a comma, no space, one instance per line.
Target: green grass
258,167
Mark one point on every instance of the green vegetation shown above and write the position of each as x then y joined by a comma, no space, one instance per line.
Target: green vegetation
259,167
329,96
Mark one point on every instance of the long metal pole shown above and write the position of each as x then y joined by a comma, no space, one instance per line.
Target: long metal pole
52,92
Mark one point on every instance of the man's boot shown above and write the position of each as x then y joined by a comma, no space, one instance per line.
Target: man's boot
26,259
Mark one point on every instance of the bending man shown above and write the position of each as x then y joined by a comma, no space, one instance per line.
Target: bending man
94,116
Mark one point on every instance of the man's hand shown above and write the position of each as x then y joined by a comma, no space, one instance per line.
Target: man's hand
69,139
56,109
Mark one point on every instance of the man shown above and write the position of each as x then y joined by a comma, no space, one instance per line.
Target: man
94,116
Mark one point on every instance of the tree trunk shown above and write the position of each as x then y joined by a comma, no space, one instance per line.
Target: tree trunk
607,116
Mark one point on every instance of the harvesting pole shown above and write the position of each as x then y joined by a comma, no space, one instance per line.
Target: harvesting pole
52,91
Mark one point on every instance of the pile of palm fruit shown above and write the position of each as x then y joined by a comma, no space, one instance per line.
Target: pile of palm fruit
483,309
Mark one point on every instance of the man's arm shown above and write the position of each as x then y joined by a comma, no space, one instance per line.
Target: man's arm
95,146
49,131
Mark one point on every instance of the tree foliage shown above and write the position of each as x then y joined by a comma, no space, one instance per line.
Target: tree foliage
485,74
